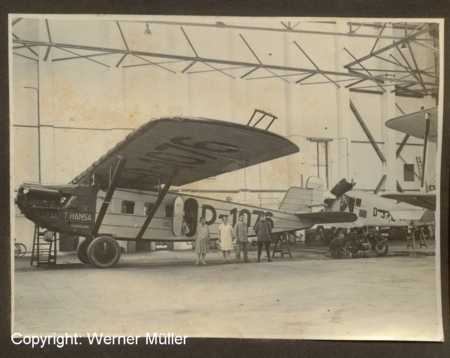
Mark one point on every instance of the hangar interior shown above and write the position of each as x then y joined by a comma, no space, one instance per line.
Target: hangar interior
80,85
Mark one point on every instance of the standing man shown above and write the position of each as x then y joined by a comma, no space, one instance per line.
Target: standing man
241,231
226,239
263,230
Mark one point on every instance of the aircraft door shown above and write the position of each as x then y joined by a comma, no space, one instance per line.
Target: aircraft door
191,216
177,219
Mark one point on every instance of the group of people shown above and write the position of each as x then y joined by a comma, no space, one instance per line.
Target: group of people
227,234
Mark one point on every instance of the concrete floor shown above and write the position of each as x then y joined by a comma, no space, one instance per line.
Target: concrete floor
308,297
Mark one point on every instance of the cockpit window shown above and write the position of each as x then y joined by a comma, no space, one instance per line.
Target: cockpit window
37,199
72,202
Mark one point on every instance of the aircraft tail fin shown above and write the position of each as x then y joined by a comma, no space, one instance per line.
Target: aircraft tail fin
302,200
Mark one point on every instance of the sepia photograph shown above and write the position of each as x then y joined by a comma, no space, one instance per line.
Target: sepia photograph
176,177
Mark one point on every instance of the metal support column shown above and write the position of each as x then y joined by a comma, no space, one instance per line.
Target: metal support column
109,194
326,163
425,149
402,144
318,161
366,130
380,184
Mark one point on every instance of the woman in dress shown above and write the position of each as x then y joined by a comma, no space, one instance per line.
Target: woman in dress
226,239
202,241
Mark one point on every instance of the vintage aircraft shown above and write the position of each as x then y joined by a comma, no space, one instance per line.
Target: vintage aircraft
422,124
120,197
371,209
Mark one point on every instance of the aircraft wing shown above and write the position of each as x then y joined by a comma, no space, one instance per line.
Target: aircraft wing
192,148
414,123
423,200
329,217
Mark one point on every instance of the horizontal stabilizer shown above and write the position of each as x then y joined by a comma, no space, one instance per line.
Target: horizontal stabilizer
301,200
328,217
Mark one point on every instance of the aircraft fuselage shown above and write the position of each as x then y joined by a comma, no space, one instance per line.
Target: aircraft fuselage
373,210
74,210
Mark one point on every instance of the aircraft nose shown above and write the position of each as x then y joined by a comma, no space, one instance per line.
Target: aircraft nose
21,198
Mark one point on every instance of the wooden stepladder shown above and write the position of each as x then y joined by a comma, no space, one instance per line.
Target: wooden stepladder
44,248
412,237
422,239
283,242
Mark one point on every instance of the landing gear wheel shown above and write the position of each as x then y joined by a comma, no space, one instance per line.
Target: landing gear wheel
381,248
82,249
104,252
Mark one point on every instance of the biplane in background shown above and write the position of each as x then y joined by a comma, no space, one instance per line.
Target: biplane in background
424,125
125,194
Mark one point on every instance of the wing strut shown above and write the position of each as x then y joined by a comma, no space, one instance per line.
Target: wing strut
425,149
109,194
155,207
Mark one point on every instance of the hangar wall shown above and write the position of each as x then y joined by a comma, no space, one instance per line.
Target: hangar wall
86,108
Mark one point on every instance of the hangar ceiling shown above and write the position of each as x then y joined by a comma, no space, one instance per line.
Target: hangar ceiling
408,75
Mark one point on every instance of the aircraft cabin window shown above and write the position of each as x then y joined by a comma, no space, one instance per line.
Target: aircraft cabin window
127,207
169,211
148,207
408,172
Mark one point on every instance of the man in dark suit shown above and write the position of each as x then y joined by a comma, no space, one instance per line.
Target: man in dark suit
263,230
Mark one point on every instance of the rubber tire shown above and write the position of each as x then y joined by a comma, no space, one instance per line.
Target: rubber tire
384,248
22,250
82,249
97,256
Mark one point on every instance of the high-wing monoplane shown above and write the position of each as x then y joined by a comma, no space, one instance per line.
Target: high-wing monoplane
125,194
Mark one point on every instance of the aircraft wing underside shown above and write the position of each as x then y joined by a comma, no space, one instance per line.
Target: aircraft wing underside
423,200
414,123
188,149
